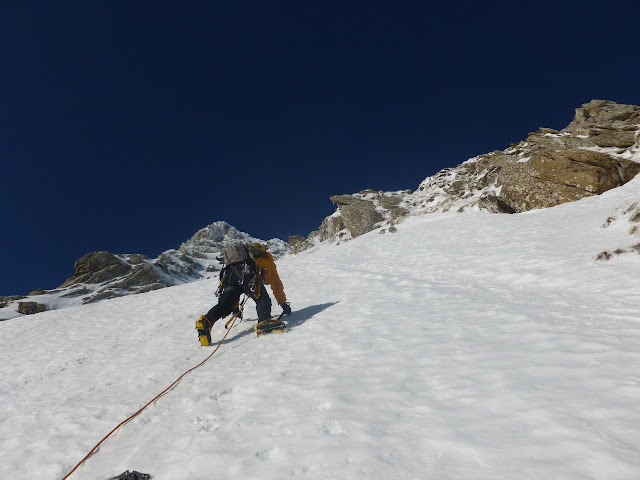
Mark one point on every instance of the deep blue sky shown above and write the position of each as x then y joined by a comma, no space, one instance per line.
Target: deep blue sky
127,126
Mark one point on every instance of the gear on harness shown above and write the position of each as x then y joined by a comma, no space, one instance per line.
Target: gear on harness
237,313
127,475
240,276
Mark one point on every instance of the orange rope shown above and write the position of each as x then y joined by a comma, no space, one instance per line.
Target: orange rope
93,450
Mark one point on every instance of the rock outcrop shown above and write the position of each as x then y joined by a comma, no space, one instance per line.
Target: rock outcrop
102,275
98,267
599,150
29,308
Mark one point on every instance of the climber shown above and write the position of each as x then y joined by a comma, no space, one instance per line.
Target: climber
248,268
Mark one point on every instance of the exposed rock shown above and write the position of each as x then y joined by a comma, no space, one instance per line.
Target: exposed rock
494,204
391,229
38,291
553,177
298,242
29,308
149,288
105,294
358,215
141,275
77,292
606,123
604,256
392,203
137,259
11,298
98,267
331,226
626,216
599,150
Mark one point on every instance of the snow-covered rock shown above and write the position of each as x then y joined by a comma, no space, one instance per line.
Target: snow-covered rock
599,150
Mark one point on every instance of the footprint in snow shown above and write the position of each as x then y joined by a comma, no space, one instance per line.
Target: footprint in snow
324,406
206,423
333,428
270,453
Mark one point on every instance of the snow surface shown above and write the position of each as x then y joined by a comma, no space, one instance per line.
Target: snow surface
463,346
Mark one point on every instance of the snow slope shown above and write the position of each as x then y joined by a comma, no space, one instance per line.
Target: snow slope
463,346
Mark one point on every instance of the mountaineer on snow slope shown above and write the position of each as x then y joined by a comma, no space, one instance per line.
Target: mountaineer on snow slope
248,268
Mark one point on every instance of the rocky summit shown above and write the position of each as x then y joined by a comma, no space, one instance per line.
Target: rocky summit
599,150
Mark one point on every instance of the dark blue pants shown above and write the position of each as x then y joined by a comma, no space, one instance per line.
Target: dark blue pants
229,299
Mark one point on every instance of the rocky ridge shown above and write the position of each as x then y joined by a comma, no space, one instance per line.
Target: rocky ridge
599,150
103,275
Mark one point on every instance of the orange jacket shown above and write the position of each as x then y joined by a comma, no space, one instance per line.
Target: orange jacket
269,276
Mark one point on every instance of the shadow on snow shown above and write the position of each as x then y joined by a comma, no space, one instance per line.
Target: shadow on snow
297,318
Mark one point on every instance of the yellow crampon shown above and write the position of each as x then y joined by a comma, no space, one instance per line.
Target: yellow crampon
205,340
271,325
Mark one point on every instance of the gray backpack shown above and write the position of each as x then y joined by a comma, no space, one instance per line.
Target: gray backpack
236,254
239,270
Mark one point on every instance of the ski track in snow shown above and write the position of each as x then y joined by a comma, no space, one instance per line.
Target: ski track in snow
464,346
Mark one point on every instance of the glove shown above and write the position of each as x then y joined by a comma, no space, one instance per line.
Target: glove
286,309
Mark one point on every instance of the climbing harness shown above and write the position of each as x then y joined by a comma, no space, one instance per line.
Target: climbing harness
97,446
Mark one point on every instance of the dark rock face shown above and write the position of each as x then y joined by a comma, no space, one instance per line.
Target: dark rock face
358,215
113,275
29,308
298,243
11,298
37,291
547,178
606,124
142,275
599,150
97,267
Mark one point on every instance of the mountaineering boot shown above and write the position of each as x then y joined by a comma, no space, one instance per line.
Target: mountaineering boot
286,308
271,325
203,325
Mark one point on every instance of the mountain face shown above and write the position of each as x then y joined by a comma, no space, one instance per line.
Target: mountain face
599,150
103,275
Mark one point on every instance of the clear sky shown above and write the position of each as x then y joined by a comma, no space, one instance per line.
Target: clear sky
128,126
